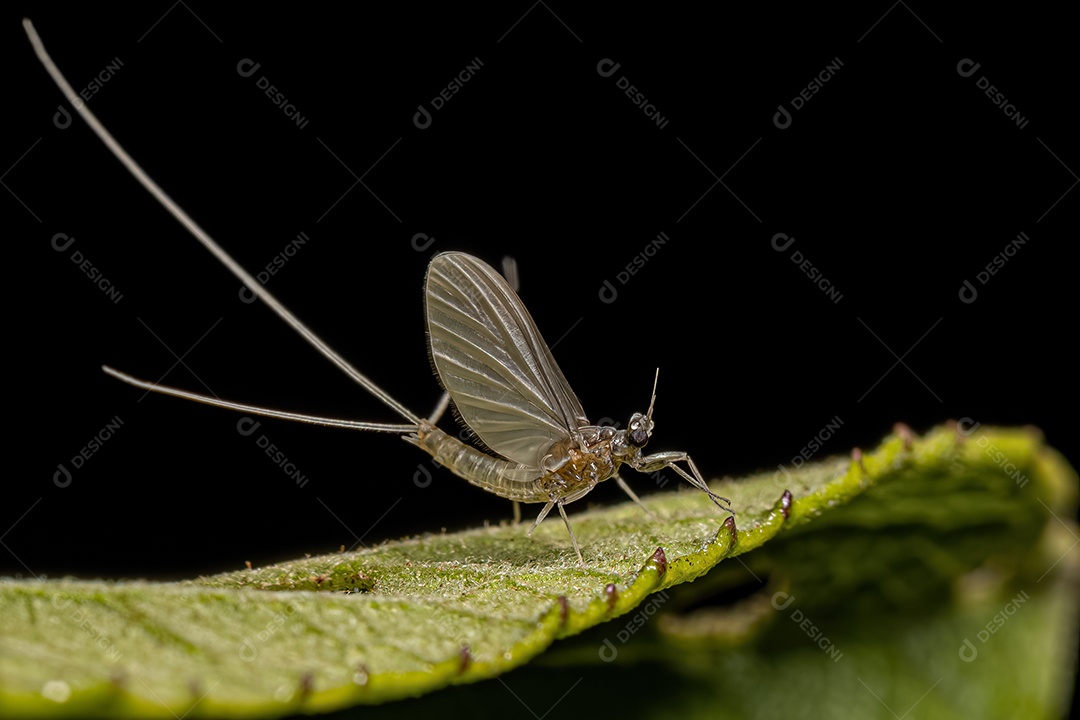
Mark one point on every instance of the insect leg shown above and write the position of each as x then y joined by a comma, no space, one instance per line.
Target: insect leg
566,521
661,460
440,408
633,495
543,514
510,272
517,513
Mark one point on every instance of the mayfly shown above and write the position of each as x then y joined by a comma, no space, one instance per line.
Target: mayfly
538,444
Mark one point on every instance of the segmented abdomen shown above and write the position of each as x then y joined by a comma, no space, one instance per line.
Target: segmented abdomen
510,480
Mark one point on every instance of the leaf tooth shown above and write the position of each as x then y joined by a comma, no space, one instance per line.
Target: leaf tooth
906,434
728,532
612,595
785,504
307,683
465,659
857,457
660,559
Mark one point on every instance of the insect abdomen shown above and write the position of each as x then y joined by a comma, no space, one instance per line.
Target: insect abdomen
510,480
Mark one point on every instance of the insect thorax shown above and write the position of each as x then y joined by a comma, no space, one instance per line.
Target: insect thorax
592,461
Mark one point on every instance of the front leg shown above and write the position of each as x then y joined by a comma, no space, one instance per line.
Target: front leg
633,495
661,460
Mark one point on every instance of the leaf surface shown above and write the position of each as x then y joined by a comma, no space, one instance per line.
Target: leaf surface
855,539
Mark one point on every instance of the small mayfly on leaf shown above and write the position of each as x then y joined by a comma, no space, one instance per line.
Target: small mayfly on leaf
538,444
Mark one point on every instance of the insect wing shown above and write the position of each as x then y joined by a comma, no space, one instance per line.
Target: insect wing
492,360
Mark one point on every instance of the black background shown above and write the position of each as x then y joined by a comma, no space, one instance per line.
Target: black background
899,180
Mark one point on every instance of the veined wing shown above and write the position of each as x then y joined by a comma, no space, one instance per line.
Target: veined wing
492,360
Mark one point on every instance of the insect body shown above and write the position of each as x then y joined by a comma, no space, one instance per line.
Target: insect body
508,389
493,365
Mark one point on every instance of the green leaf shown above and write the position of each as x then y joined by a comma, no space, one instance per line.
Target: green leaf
894,559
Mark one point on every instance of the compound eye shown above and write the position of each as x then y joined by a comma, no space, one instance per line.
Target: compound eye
637,431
